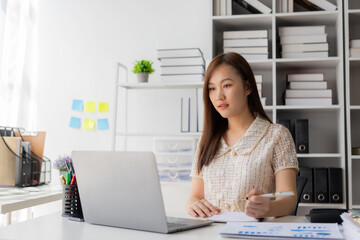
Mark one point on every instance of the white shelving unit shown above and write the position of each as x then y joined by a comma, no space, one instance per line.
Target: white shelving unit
326,123
144,88
173,164
352,84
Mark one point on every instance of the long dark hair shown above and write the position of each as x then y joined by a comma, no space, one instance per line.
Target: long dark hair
214,124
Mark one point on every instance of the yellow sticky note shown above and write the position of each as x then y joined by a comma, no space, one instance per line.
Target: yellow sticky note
90,107
89,124
103,107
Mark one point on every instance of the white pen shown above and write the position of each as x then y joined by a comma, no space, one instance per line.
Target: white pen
277,194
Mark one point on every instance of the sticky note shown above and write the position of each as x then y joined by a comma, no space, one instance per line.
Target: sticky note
89,124
75,122
90,106
103,107
103,124
77,105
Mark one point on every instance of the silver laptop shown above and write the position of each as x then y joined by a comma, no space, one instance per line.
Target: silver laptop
122,189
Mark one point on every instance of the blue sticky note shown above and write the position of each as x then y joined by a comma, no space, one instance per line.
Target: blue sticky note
77,105
75,122
103,124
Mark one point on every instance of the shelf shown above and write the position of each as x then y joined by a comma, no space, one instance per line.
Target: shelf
354,59
309,108
355,107
262,64
355,156
322,205
327,137
190,134
308,18
354,11
243,20
267,108
355,206
301,63
320,155
160,85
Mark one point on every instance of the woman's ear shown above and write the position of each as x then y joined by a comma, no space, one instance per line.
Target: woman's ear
248,88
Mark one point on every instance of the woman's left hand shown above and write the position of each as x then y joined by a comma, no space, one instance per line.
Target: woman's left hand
257,206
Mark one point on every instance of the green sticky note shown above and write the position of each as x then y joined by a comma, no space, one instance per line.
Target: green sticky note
89,124
90,106
103,107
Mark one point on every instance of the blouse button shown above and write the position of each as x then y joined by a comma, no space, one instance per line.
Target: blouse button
233,153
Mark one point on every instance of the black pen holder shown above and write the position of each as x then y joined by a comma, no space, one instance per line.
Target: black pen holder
71,205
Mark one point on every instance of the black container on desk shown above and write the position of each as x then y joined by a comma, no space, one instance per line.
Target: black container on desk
71,205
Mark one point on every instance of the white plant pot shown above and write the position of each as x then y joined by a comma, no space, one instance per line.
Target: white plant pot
143,77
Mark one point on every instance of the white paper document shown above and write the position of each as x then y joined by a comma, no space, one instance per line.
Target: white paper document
232,217
270,230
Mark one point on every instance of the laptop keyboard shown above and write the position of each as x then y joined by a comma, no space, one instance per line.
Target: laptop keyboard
176,223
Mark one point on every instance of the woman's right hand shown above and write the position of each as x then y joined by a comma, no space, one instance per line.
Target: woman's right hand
202,208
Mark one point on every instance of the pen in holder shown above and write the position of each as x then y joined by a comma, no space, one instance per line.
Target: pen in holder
71,207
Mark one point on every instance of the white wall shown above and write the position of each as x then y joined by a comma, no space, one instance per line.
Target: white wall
80,42
2,25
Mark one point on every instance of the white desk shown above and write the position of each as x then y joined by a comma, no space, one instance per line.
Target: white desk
13,199
55,227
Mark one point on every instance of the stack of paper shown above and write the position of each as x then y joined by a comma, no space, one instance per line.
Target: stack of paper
351,224
268,230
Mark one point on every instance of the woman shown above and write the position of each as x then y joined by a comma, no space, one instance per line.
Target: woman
241,154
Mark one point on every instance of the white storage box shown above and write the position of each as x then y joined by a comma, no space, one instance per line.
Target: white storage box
174,145
174,175
174,160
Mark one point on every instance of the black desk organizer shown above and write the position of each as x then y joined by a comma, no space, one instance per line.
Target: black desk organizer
71,205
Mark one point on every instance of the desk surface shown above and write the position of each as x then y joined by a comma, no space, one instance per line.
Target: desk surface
55,227
12,199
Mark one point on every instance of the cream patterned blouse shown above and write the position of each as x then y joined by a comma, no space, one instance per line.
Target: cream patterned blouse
251,163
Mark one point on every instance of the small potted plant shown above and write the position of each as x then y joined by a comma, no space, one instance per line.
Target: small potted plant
143,68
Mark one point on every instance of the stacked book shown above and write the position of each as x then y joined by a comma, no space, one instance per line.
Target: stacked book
253,6
259,85
230,7
252,44
351,224
315,5
285,6
181,65
307,89
303,42
223,7
355,48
